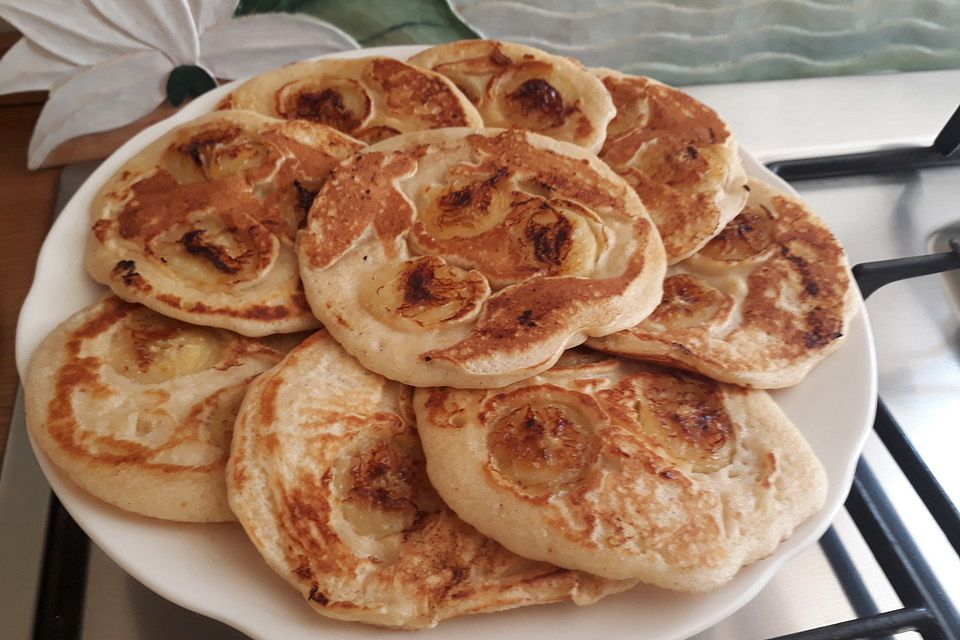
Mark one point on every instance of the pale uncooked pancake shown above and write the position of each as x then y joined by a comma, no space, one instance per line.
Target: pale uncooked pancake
326,475
679,156
760,305
623,469
520,87
368,98
137,409
199,225
474,258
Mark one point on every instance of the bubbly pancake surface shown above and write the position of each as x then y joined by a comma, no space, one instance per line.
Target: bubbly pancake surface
760,305
623,469
679,156
200,224
520,87
473,258
370,99
138,409
326,475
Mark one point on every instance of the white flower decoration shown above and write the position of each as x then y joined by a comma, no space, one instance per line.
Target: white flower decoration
107,62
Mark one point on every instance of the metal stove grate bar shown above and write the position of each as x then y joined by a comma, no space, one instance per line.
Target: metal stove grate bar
918,473
63,580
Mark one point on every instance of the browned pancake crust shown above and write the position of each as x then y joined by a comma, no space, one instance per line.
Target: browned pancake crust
521,87
200,225
328,479
678,155
107,403
623,469
759,305
367,98
545,243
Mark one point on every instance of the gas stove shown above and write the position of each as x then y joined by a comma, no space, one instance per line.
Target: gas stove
888,564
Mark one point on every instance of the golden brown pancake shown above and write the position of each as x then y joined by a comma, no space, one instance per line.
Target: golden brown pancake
368,98
326,475
623,469
679,156
199,225
520,87
474,258
760,305
138,409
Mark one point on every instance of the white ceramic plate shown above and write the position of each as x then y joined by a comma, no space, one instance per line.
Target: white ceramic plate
215,570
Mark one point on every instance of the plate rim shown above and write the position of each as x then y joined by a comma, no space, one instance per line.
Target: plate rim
66,491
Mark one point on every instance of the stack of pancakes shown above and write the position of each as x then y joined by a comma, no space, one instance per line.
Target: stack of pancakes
460,224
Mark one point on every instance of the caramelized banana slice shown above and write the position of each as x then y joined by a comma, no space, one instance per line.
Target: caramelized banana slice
428,292
749,236
383,489
149,348
471,203
557,237
622,469
218,151
542,438
688,303
340,103
684,415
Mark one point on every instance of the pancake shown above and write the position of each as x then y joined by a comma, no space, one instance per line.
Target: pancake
326,475
520,87
199,225
368,98
137,409
679,156
623,469
760,305
474,258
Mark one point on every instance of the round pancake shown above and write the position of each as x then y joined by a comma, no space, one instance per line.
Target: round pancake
199,225
137,409
760,305
623,469
679,156
326,475
520,87
368,98
474,258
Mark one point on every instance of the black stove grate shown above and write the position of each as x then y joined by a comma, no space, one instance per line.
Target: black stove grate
927,608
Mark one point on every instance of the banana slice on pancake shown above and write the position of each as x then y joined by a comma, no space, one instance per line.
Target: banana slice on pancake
520,87
623,469
473,258
760,305
138,409
370,99
326,475
679,156
199,225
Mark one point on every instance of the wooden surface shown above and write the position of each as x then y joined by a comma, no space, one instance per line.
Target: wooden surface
27,200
